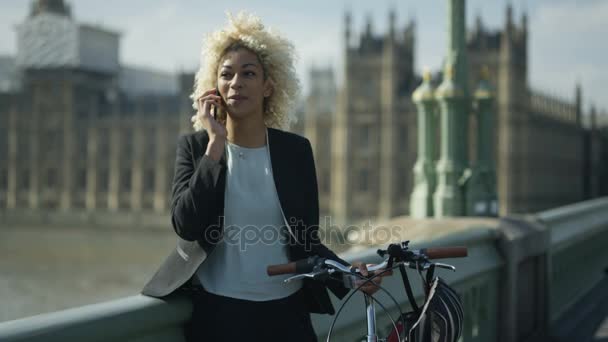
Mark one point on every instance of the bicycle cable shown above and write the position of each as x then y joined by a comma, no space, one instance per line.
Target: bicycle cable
367,280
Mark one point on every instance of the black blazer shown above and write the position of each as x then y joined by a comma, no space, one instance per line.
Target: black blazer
197,209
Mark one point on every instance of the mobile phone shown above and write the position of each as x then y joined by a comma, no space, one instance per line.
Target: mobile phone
213,107
215,110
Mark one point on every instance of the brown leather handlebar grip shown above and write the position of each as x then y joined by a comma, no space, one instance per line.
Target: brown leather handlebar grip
445,252
273,270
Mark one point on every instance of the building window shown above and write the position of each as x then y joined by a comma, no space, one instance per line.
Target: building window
326,139
82,142
127,143
103,180
23,145
125,180
325,181
103,106
3,145
403,137
53,141
103,142
363,180
151,142
149,180
24,179
82,179
82,103
51,178
364,137
3,179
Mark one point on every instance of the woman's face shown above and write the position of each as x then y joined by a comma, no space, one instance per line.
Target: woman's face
241,83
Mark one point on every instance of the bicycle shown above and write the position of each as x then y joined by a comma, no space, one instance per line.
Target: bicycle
441,316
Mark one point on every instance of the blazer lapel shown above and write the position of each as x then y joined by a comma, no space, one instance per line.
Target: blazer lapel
278,169
285,175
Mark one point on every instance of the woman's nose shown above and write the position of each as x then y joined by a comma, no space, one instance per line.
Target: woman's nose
236,81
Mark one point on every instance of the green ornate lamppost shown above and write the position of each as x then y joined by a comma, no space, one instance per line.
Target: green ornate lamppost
457,189
421,202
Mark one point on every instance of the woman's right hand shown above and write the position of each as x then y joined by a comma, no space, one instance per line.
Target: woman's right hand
216,130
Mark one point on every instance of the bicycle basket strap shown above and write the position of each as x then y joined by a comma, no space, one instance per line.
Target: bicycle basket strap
442,315
408,289
429,297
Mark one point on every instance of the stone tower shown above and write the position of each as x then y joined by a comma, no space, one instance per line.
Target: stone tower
513,121
319,118
68,80
58,7
373,134
504,54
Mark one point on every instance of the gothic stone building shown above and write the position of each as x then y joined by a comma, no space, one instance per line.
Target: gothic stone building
80,131
365,141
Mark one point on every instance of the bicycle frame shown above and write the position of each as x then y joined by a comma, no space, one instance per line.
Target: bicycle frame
370,309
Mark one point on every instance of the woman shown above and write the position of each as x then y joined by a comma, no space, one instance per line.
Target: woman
245,196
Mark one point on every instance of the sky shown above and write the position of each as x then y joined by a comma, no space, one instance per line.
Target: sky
565,36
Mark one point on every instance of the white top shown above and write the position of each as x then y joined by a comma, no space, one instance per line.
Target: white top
255,234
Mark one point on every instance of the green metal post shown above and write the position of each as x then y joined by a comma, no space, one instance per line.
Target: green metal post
453,97
481,188
421,202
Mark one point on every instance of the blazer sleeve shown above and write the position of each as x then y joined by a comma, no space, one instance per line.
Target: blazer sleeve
193,192
312,229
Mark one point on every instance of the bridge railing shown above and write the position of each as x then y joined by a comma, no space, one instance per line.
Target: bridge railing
477,280
522,276
577,257
136,318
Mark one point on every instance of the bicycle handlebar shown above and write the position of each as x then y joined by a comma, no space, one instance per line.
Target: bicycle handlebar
444,252
299,267
307,265
397,255
274,270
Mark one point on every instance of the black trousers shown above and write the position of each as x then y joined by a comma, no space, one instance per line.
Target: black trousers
218,318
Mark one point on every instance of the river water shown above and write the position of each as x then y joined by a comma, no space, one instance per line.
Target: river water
44,269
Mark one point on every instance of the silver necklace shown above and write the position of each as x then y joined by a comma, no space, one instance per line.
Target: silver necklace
242,154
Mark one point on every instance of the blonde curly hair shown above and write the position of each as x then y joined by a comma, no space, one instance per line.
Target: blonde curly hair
276,54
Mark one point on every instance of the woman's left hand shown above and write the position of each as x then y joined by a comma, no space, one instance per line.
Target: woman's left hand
369,288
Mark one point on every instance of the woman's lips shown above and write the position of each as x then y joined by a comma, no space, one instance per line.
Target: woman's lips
237,97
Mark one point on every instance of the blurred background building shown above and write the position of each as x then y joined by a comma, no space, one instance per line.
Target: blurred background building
81,132
547,155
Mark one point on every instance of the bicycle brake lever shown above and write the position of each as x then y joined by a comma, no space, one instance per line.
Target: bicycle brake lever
313,275
446,266
299,276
